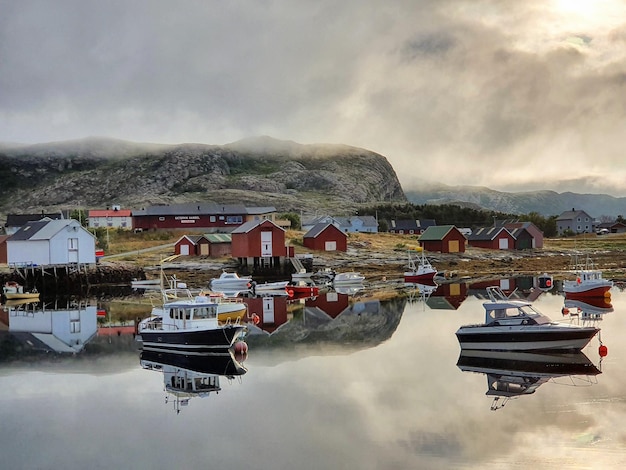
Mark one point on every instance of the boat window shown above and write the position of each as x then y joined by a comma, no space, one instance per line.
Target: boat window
209,311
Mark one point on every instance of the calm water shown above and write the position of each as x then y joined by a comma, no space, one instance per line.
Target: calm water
375,387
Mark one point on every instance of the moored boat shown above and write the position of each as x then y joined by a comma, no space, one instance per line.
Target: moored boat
420,270
192,325
515,325
14,291
588,283
351,277
231,282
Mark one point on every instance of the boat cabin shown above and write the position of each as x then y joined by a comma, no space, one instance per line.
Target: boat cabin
185,314
514,312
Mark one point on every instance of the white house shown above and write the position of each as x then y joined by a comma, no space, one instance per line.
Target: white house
51,242
115,217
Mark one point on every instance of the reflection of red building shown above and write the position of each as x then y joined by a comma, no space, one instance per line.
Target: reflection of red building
331,303
448,296
272,311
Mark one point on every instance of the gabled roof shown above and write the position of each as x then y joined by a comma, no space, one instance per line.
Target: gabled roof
192,238
17,220
218,237
321,219
570,215
199,208
319,228
45,229
251,224
486,233
436,232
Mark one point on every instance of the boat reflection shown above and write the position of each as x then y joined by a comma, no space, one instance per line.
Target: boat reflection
513,374
61,327
189,376
591,309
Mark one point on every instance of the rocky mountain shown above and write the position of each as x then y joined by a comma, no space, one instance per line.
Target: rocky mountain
99,172
546,203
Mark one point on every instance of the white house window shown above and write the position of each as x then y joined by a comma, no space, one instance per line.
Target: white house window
161,219
212,218
72,244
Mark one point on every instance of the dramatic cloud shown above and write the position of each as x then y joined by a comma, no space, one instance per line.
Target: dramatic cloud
510,95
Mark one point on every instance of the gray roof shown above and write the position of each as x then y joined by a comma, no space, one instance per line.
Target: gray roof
191,209
260,210
250,224
571,215
319,228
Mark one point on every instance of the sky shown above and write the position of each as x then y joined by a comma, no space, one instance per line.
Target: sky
511,95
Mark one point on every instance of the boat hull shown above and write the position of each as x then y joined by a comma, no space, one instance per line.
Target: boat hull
22,296
529,339
419,278
220,362
192,341
583,291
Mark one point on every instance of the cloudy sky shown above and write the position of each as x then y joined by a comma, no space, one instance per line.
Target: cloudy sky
511,95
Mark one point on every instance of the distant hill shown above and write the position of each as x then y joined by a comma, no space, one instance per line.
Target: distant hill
546,203
98,172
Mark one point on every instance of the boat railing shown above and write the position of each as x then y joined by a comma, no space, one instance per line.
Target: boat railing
158,325
495,293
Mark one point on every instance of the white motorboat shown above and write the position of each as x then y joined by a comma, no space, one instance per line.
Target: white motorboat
515,325
196,325
348,278
231,282
269,286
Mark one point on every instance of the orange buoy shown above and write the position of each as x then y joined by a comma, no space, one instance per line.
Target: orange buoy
290,292
548,283
255,319
565,310
603,350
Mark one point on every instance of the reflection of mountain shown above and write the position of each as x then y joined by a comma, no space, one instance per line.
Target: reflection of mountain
189,376
331,318
65,328
513,374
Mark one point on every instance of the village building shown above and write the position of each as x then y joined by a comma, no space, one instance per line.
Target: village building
260,247
493,238
308,224
116,217
198,217
325,237
611,227
358,224
271,310
16,221
213,245
443,238
576,221
3,249
51,242
410,226
527,235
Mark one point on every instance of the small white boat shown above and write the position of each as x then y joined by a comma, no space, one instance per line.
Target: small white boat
269,286
348,278
231,282
515,325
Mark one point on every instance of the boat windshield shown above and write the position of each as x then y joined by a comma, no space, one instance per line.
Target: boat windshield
510,312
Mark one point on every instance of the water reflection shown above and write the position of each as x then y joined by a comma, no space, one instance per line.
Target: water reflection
62,326
190,376
512,374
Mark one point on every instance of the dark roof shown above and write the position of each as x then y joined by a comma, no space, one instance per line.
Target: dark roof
17,220
191,209
486,233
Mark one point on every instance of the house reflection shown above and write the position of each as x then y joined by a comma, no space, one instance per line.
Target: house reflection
189,376
512,374
62,327
448,296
